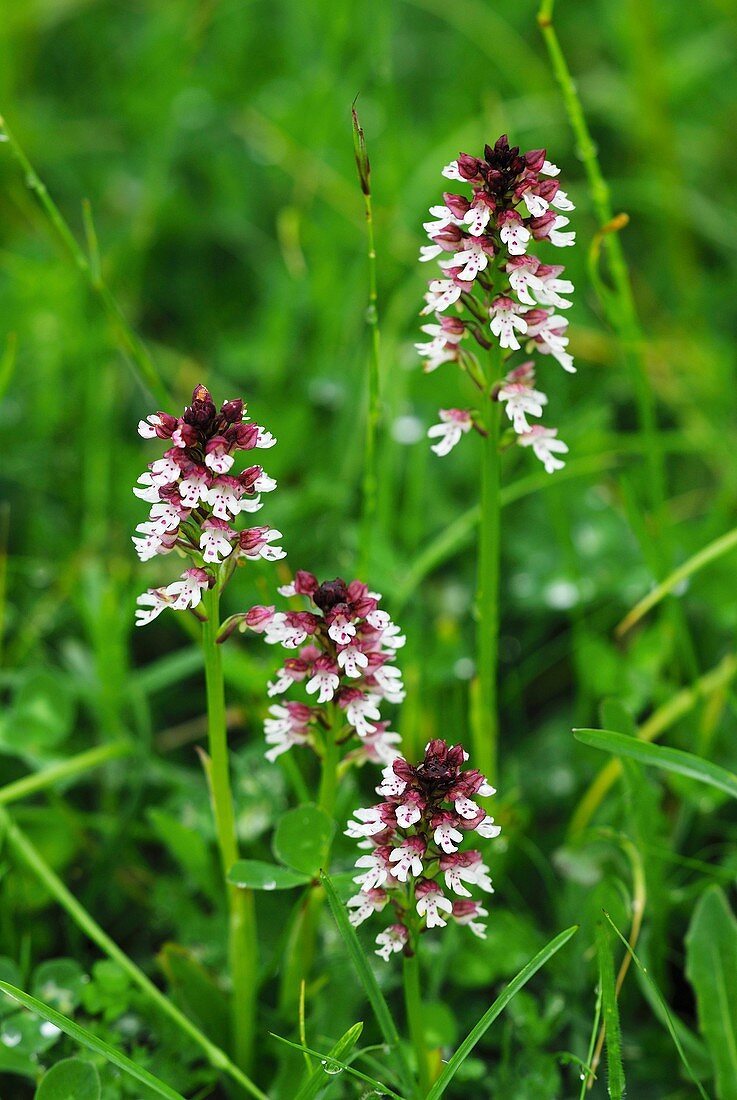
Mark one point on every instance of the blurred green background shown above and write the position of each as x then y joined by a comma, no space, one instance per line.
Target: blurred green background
213,142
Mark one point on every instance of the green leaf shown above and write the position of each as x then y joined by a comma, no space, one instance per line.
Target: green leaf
189,849
671,760
673,1024
337,1053
456,1061
71,1079
9,972
615,1078
711,965
92,1042
40,718
195,991
59,983
302,839
257,874
365,974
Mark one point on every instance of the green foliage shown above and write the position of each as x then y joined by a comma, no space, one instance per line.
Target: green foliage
302,839
678,1033
70,1079
214,144
365,974
612,1033
711,959
672,760
255,874
474,1036
87,1039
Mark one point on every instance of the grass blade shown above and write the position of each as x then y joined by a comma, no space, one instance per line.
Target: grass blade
337,1052
458,534
704,557
657,756
473,1037
589,1073
366,976
86,1039
615,1069
337,1066
666,1015
72,768
711,960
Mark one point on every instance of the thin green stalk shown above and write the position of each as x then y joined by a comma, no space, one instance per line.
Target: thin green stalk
330,762
373,414
243,940
27,853
66,769
413,1005
484,725
619,304
131,342
300,950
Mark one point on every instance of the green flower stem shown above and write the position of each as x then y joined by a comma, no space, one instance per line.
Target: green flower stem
130,341
413,1005
243,939
22,848
485,723
66,769
373,415
330,761
300,950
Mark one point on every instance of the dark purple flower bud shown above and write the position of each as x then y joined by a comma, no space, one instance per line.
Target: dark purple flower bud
330,594
166,426
304,583
249,476
201,412
540,227
468,166
457,204
303,620
449,238
252,537
535,159
185,435
547,189
246,436
232,411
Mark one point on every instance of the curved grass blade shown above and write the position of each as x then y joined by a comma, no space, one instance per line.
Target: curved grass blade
458,534
666,1016
590,1073
316,1081
670,760
366,976
92,1042
532,967
615,1069
335,1066
704,557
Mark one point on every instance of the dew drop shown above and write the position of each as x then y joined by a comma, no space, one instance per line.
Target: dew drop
11,1036
331,1068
